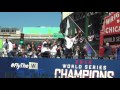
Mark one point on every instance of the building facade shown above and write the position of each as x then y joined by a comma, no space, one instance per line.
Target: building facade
90,23
9,31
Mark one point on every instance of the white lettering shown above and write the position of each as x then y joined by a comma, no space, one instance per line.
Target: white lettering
114,29
117,39
104,67
77,74
95,74
31,65
70,73
57,72
112,18
103,74
110,74
85,73
64,73
68,66
64,65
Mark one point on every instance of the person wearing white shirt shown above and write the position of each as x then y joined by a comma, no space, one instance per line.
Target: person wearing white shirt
45,42
43,48
54,51
69,45
5,48
10,48
45,51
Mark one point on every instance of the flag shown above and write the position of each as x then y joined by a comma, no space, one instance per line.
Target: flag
88,49
90,38
76,30
72,27
81,39
67,27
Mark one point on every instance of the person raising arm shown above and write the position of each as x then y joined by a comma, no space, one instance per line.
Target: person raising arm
69,44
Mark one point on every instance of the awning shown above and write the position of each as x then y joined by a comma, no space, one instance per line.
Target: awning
58,35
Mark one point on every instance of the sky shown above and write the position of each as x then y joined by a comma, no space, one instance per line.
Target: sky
30,19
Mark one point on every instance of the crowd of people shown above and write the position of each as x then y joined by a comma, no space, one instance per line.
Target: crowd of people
48,49
45,49
110,53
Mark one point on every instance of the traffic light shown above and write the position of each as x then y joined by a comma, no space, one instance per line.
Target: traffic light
22,38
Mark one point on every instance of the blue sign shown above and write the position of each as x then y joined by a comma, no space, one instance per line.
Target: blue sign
58,68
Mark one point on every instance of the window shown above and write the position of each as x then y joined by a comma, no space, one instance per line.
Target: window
6,30
12,30
2,30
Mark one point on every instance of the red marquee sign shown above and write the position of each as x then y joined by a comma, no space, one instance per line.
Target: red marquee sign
110,31
112,24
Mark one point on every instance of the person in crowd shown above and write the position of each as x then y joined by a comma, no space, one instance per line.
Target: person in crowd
5,48
45,42
75,43
23,52
19,50
118,53
76,52
39,47
69,45
14,49
10,49
33,46
64,51
29,50
54,49
88,50
45,51
39,50
5,52
59,52
14,46
34,54
83,53
49,43
107,51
